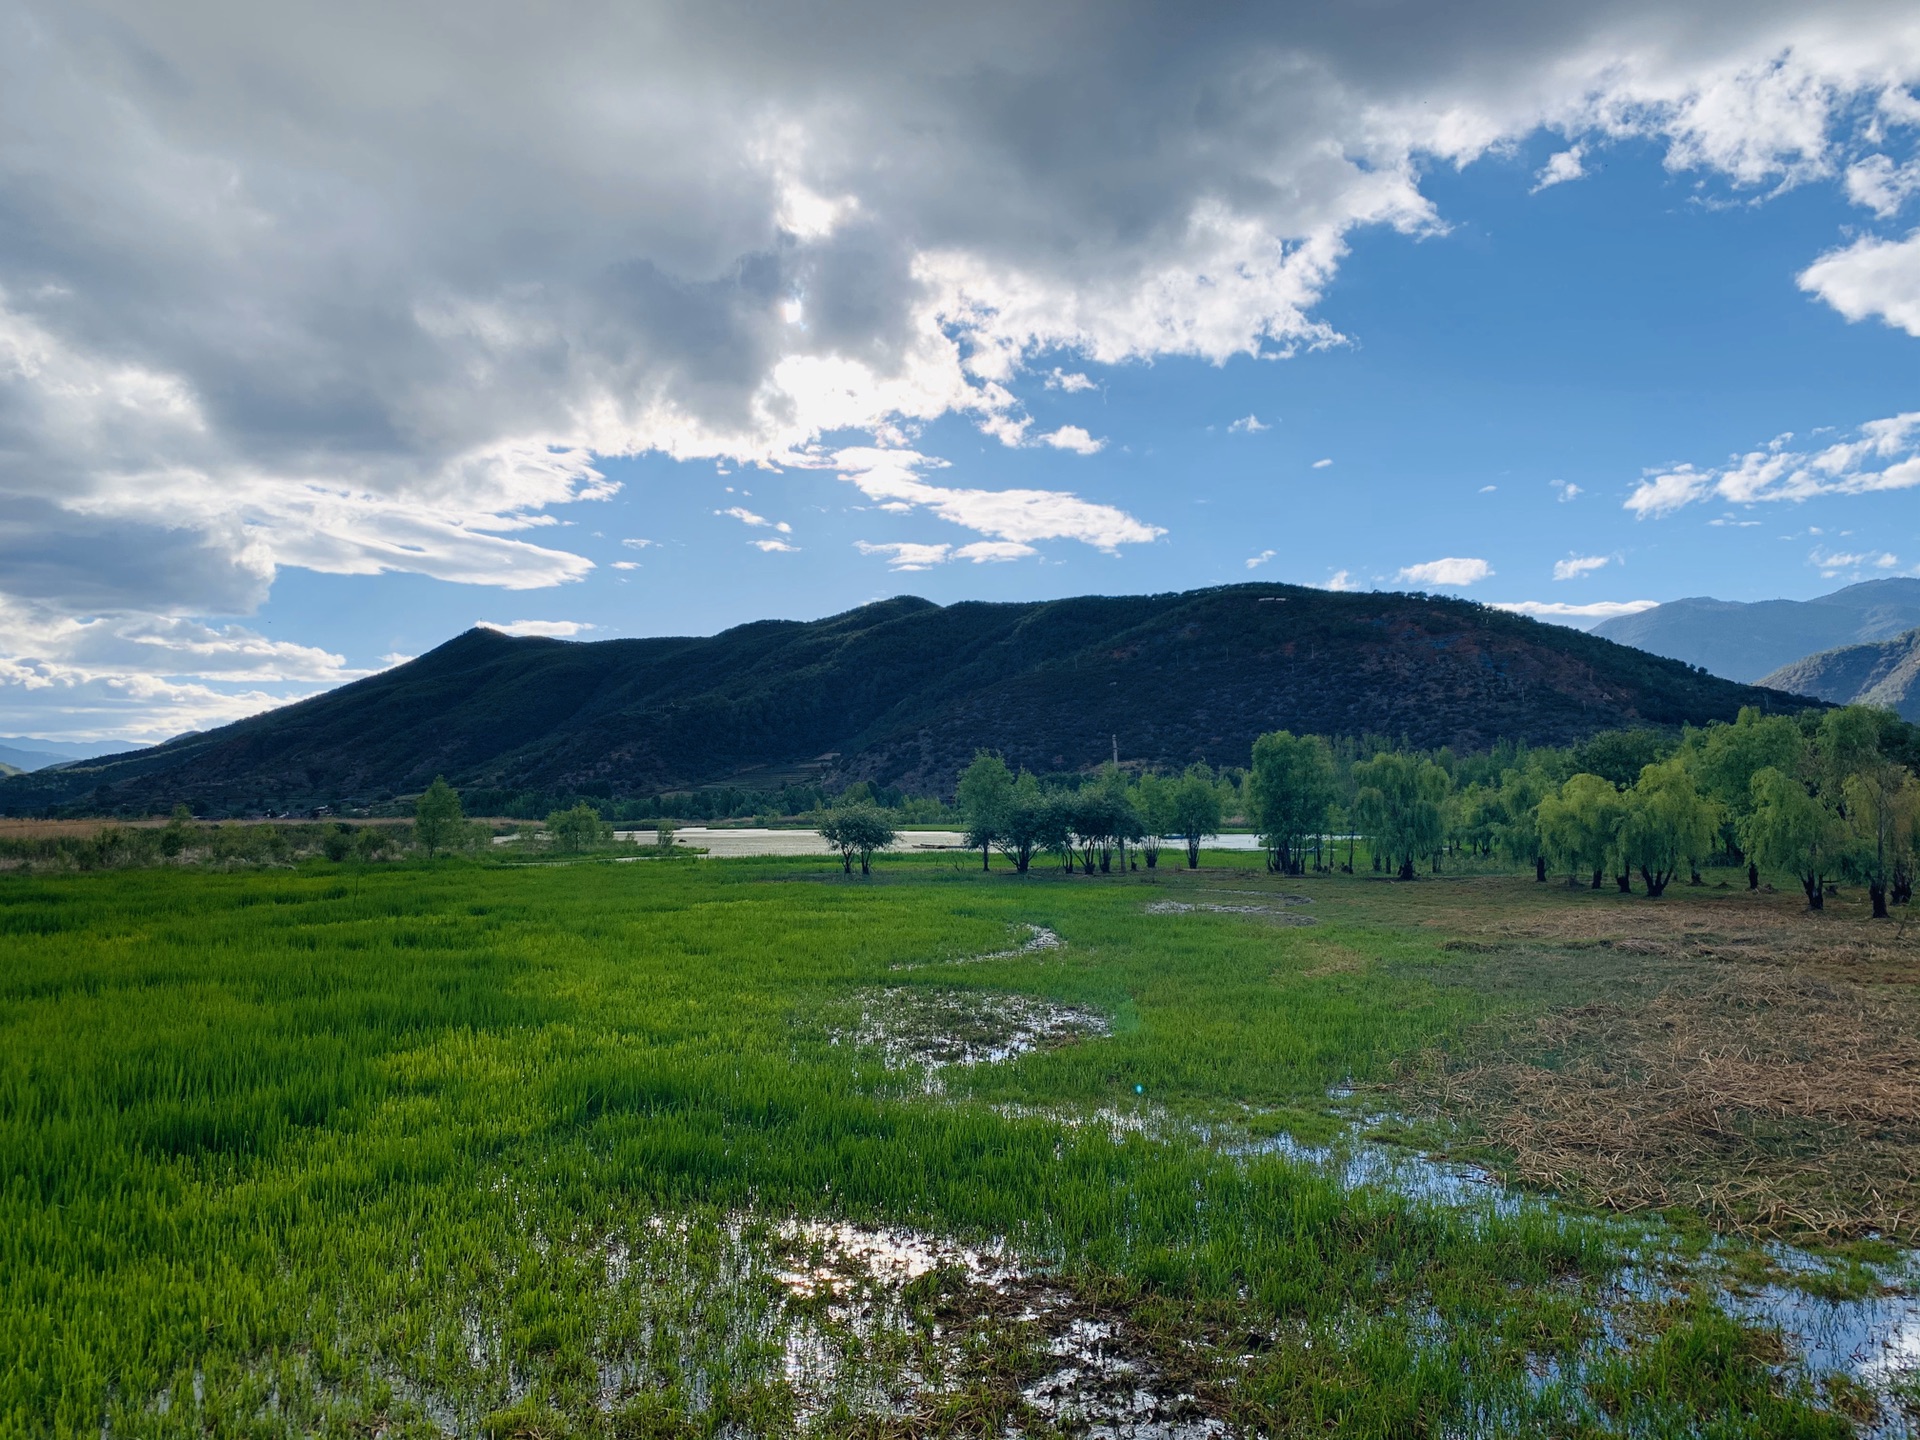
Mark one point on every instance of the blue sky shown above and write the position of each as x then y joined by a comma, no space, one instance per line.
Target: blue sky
1544,343
319,344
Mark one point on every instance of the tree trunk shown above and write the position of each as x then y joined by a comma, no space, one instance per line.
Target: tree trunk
846,863
1540,869
1902,887
1656,884
1596,879
866,867
1022,860
1753,876
1696,877
1153,859
1625,882
1193,854
1878,894
1816,896
1406,868
984,853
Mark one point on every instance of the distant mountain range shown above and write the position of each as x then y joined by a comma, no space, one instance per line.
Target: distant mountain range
20,753
904,691
1885,673
1745,641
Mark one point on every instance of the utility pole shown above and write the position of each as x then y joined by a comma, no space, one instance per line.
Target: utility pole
1116,752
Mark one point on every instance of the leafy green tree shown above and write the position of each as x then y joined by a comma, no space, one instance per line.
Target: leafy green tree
1054,832
1025,821
1196,810
983,795
1883,812
1790,827
1290,792
438,823
1620,755
857,831
1725,758
1666,823
1153,803
1517,830
1580,824
173,837
579,828
1400,806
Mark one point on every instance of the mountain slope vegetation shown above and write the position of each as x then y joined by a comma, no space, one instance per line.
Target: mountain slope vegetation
1745,641
903,691
1886,673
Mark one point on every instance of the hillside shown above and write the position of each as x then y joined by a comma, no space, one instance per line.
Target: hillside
1886,673
903,691
1744,641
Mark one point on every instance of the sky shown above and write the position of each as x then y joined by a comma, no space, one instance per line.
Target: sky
329,331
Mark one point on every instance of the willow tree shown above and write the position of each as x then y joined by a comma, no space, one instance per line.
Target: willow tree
1666,823
1290,793
1580,824
1401,806
1791,827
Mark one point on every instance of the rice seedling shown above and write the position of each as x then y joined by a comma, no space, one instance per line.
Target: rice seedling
592,1149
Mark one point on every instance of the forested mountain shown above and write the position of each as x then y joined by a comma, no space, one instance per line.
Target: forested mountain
903,691
1744,641
1886,674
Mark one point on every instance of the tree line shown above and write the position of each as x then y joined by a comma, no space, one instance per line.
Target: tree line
1823,796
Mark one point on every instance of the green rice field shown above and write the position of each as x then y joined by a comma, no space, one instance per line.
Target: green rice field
746,1147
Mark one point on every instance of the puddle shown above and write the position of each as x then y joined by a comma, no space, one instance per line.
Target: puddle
1039,938
931,1030
1095,1378
1278,914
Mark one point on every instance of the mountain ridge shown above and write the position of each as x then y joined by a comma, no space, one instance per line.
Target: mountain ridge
1883,672
903,691
1746,640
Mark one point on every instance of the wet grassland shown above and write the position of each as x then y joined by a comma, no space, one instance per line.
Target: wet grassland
748,1148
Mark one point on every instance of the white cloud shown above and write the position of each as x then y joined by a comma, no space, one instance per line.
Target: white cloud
985,552
1575,566
638,544
1452,570
1022,516
1561,167
1321,464
1071,382
1247,425
1581,616
774,547
1871,277
1072,437
1883,455
908,556
145,678
1567,490
1881,186
1834,563
904,555
550,629
1339,580
1258,560
747,517
1488,489
626,564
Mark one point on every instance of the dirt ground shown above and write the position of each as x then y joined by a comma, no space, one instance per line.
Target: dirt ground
1726,1052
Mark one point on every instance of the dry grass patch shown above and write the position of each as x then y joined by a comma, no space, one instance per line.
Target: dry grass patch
1775,1104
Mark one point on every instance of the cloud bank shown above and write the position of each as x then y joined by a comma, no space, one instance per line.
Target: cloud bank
364,288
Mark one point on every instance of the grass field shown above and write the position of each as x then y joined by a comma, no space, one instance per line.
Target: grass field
674,1149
